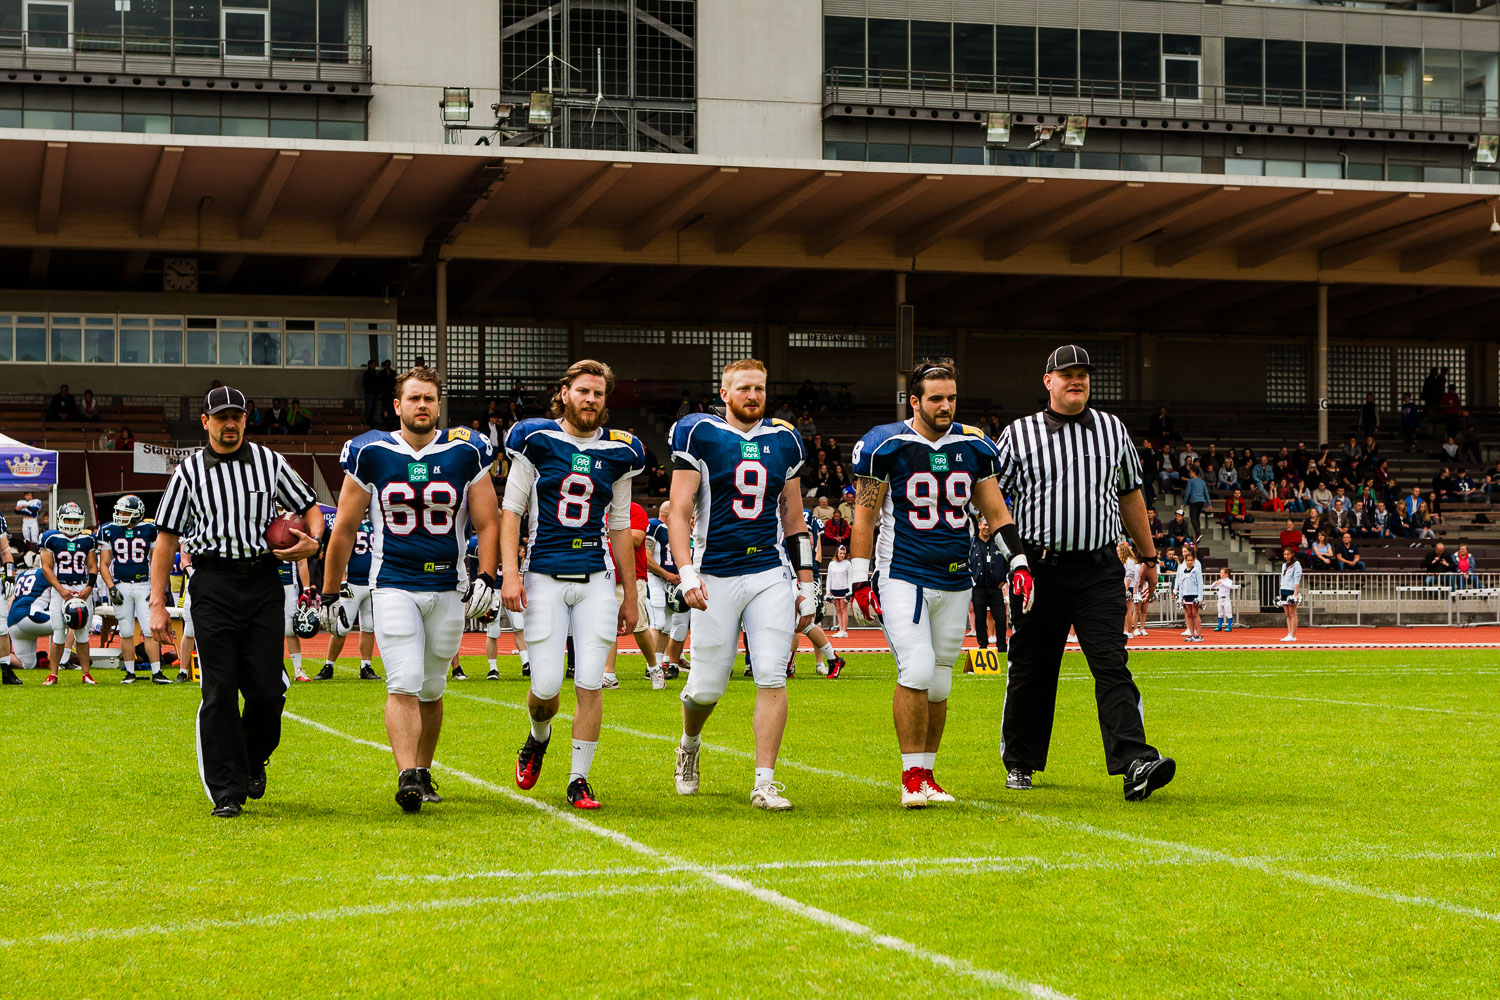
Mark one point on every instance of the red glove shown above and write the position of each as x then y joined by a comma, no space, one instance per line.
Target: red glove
1023,588
310,598
867,602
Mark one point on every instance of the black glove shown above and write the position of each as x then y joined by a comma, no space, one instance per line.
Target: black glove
115,597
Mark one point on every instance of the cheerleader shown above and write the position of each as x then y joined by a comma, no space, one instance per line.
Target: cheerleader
1226,588
1188,586
1291,587
1135,608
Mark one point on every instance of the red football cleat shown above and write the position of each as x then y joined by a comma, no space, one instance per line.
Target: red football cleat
51,680
529,761
835,667
88,678
581,796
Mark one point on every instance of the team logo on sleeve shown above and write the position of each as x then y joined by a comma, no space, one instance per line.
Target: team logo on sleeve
749,449
581,463
939,461
416,472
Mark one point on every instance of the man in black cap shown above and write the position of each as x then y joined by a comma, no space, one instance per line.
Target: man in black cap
219,502
1074,477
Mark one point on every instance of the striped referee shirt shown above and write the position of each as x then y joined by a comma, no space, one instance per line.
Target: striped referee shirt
222,504
1065,476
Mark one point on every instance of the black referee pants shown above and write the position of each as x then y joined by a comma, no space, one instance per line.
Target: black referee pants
989,599
1084,590
237,617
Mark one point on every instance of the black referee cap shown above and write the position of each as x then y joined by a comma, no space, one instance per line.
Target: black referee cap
1068,356
223,398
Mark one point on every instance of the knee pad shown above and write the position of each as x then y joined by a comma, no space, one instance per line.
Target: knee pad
433,687
697,702
942,684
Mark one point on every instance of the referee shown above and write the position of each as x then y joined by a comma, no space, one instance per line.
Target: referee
1073,477
220,502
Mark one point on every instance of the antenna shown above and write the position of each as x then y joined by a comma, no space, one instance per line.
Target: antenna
550,59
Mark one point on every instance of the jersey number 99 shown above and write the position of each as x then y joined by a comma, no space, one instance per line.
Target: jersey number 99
922,493
439,502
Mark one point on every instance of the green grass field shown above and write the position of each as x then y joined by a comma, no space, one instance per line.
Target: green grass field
1332,832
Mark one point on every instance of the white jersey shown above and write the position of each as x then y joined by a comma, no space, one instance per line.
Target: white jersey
1226,589
1189,583
1132,575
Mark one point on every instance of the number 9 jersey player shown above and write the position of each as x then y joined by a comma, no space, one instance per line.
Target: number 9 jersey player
917,478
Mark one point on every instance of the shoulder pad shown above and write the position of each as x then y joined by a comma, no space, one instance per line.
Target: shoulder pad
625,436
458,433
970,430
787,424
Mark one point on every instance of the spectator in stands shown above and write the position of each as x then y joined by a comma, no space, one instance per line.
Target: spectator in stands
1150,469
807,396
1166,473
1288,495
1352,451
1322,555
844,400
1420,523
837,480
806,426
1492,480
1178,530
275,418
88,409
1158,530
369,383
1468,438
1439,567
1168,565
1463,486
707,404
1449,450
1377,521
1265,473
62,405
1309,529
659,480
1411,419
1301,457
1432,390
1290,537
1161,430
1381,477
1442,489
255,419
846,504
1226,478
106,440
783,412
1237,511
517,401
1412,501
1346,554
386,417
494,428
1322,496
299,418
126,440
1338,519
835,533
1195,495
1187,456
823,510
835,452
817,484
685,406
1464,564
1452,409
1369,418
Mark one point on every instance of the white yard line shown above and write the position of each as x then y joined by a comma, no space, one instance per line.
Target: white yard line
989,977
1334,701
1202,853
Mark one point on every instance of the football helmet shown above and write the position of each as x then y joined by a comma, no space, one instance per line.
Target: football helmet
130,510
675,602
305,623
70,519
75,614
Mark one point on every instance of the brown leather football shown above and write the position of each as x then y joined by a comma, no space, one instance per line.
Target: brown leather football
279,534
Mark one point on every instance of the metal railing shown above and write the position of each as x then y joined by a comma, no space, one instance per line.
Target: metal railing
177,55
1351,598
1144,99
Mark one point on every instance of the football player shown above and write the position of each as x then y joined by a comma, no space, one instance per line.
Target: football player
68,564
125,566
661,575
354,602
7,592
419,486
569,470
27,620
633,564
492,630
294,583
739,476
917,479
189,636
828,663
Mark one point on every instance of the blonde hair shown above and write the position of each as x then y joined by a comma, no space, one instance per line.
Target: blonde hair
1123,551
742,365
575,371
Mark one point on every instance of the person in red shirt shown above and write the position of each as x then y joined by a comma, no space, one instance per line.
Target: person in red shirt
638,524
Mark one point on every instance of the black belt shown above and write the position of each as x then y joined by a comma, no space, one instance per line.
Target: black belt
1036,556
225,564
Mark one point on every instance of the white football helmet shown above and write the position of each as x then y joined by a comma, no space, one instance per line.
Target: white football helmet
70,520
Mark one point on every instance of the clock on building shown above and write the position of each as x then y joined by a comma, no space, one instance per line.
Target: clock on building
179,274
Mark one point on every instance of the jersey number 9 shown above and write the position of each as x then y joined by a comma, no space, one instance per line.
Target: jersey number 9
439,502
750,479
922,494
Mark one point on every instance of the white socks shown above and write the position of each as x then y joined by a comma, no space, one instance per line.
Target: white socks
541,731
156,668
764,776
826,651
911,760
690,742
297,662
525,657
583,758
364,664
492,664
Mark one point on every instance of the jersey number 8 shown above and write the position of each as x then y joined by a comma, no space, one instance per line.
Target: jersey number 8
439,502
573,506
922,494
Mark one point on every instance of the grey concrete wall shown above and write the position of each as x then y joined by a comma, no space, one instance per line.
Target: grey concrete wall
760,70
420,48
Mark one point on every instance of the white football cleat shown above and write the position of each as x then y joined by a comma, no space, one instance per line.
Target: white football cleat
611,683
658,678
934,791
767,795
913,795
686,772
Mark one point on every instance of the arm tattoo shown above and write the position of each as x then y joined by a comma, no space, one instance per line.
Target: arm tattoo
869,493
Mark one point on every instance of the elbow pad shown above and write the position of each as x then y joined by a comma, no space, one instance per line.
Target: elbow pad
799,551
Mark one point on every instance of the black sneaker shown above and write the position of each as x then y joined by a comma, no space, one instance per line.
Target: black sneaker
129,678
409,790
228,810
326,674
581,796
568,673
182,675
160,678
749,671
529,761
526,670
459,675
493,675
368,674
257,784
8,675
671,671
429,787
1146,776
1019,778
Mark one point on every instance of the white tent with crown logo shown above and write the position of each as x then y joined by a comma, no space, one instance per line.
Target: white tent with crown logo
24,469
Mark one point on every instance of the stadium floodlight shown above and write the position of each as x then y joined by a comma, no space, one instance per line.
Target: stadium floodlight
1043,135
1489,147
456,105
1075,132
997,128
541,109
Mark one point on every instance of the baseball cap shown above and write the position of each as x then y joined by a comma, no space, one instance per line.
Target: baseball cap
1068,356
223,398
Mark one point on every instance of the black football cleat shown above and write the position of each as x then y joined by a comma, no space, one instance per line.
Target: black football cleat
326,674
257,784
160,678
409,791
835,667
429,787
228,810
581,796
749,671
129,677
493,675
8,675
671,671
1019,779
529,761
459,675
368,674
182,676
1146,776
525,670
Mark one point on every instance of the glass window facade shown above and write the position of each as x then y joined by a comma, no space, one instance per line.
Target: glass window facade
208,114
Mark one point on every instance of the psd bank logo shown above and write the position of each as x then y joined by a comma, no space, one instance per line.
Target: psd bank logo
26,466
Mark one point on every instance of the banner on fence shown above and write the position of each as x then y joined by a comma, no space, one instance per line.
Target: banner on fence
153,459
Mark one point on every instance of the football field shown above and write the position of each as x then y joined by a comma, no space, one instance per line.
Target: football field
1333,831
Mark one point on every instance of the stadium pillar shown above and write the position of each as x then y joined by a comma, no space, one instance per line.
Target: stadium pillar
906,337
1322,364
442,340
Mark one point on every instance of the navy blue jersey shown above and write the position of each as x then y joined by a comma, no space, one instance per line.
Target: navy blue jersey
129,549
738,528
656,544
924,522
358,570
814,527
573,489
70,556
29,586
4,528
419,504
287,572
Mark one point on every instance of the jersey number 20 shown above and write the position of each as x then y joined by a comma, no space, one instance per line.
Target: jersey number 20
922,494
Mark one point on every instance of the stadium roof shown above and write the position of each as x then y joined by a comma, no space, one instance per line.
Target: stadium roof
539,231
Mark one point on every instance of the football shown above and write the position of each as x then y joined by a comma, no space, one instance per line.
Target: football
279,534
